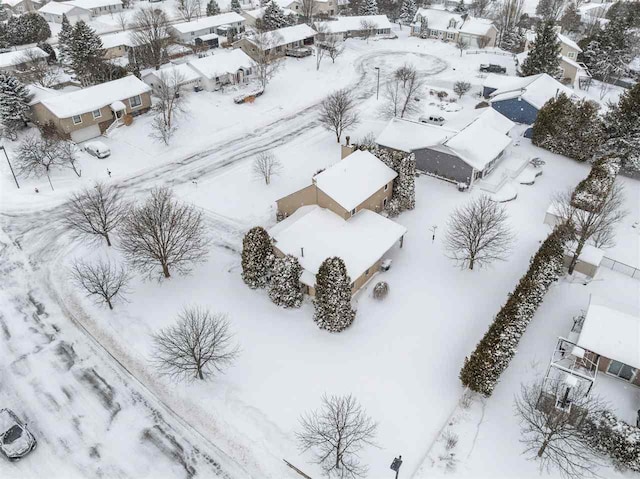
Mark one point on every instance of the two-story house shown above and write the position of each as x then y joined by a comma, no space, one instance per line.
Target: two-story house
338,215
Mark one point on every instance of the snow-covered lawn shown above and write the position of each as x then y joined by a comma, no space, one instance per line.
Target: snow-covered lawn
401,357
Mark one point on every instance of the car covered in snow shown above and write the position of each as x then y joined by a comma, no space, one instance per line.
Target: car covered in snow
492,68
432,119
97,149
15,439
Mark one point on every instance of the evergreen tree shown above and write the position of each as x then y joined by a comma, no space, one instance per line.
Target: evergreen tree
544,56
257,257
27,28
85,53
623,128
609,53
4,13
212,8
461,7
64,39
48,49
273,17
14,101
235,6
570,21
369,7
4,40
284,284
333,296
408,11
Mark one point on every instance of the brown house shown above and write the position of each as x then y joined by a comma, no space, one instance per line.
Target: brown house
84,114
337,215
274,44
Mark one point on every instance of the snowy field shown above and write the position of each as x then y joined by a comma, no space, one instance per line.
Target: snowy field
400,358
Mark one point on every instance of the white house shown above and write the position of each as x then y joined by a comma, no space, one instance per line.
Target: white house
220,25
450,26
277,42
357,26
189,77
54,11
99,7
223,68
13,61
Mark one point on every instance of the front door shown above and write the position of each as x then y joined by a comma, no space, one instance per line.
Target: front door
240,76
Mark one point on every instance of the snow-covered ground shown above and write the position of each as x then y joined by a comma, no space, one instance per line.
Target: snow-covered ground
400,358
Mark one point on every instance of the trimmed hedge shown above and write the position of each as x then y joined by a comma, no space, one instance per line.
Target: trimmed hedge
493,353
617,439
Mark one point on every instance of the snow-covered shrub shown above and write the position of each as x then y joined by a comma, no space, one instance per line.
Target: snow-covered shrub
333,296
617,439
380,290
394,207
284,284
591,192
493,353
450,439
257,257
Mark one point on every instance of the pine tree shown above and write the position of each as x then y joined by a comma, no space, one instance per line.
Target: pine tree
333,296
461,7
64,40
4,40
570,21
408,11
14,101
273,17
369,7
212,8
86,53
27,28
48,49
623,128
257,258
4,13
608,55
235,6
544,56
284,284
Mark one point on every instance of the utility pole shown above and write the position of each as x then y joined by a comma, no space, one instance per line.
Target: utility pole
10,167
378,87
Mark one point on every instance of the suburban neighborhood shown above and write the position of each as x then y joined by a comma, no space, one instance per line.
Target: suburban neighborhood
253,239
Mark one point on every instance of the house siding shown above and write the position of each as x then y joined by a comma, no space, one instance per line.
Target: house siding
517,110
325,201
486,91
290,203
443,164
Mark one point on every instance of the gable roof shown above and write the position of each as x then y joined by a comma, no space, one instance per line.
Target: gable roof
406,135
535,90
10,59
227,61
360,240
496,120
89,4
611,332
286,35
117,39
184,70
354,179
95,97
568,42
348,24
208,22
442,20
61,8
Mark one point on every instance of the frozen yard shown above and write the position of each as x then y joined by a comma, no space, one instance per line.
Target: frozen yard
400,358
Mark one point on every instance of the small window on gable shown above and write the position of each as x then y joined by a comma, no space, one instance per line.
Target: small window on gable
452,23
353,212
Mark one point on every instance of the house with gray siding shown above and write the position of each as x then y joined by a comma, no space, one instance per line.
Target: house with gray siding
520,98
459,156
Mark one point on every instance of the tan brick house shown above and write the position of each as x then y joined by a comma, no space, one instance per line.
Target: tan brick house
84,114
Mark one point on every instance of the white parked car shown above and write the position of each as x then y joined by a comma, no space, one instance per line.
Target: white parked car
432,119
97,149
15,439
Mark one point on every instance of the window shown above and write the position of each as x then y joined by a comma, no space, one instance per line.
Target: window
571,54
434,33
135,101
386,187
451,35
621,370
384,203
96,114
353,212
77,119
452,23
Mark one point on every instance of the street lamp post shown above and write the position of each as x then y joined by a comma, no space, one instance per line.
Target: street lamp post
395,465
10,167
378,87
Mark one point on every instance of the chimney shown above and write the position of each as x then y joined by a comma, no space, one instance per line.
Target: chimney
348,138
347,149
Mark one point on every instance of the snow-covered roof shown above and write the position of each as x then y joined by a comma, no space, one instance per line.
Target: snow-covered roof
10,59
186,72
89,4
611,332
209,22
12,3
117,39
568,42
535,90
407,135
354,179
350,24
59,8
478,143
360,241
286,35
496,120
259,12
226,61
39,93
442,20
95,97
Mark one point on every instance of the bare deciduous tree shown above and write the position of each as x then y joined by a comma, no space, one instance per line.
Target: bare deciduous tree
480,8
552,421
477,233
506,18
461,44
368,29
104,280
335,47
336,433
597,224
266,58
38,156
169,91
122,21
320,53
338,112
162,232
461,87
95,213
266,165
189,9
151,36
402,90
34,69
308,10
199,345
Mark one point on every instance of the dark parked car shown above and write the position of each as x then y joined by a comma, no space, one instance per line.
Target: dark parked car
491,68
15,439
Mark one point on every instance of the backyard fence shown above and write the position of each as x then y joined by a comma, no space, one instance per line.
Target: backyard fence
476,52
623,268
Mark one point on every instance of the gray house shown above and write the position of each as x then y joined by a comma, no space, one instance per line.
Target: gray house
520,98
460,156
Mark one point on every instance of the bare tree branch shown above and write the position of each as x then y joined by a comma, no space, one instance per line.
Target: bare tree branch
266,165
151,36
337,112
102,279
